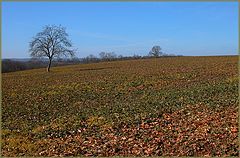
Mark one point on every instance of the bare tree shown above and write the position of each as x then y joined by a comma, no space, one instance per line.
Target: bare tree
156,51
90,58
51,42
103,55
107,56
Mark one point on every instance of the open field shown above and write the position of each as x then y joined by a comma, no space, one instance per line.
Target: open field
181,106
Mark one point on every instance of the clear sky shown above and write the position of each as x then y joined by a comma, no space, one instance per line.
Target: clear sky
127,28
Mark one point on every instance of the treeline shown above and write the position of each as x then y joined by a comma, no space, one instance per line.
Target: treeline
111,56
10,65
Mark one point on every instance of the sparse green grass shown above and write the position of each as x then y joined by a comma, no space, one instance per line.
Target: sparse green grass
40,108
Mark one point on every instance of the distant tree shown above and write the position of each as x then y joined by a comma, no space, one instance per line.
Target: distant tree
156,51
107,55
120,56
136,56
75,59
90,58
51,42
102,55
111,55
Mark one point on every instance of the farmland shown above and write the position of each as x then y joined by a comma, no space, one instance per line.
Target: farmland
179,106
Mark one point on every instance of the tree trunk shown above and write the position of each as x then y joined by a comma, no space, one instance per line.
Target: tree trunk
49,65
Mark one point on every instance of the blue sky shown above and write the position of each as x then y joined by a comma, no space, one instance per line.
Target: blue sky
127,28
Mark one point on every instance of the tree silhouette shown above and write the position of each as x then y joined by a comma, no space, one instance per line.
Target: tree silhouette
51,42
